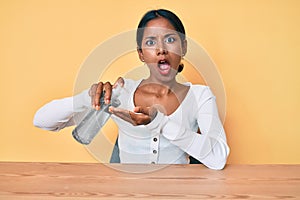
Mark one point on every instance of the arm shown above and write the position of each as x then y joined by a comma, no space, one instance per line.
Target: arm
62,113
65,112
209,147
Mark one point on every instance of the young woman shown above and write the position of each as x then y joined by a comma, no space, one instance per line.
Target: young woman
160,121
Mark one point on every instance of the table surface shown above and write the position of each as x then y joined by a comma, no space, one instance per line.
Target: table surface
21,180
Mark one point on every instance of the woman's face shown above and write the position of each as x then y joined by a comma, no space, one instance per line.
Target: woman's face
162,49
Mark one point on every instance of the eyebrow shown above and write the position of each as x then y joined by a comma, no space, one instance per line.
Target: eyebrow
170,34
150,37
167,35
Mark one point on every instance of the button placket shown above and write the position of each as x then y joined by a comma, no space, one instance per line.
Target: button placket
154,149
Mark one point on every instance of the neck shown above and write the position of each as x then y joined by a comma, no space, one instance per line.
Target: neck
159,86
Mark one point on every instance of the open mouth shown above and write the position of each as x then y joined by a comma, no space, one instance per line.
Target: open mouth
164,66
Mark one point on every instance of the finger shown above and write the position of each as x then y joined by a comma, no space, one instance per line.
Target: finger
92,90
131,117
120,81
150,111
139,118
121,113
107,87
97,96
92,93
144,110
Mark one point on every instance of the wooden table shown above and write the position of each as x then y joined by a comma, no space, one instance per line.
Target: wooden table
92,181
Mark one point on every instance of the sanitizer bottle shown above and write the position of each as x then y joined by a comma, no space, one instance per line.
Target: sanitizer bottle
94,120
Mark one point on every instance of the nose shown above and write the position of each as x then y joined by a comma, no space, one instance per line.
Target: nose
161,49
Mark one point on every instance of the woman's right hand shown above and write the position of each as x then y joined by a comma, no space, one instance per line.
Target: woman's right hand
96,90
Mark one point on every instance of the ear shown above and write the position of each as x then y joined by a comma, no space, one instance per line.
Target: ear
184,47
140,53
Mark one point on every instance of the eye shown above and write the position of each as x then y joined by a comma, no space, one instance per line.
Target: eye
150,42
170,40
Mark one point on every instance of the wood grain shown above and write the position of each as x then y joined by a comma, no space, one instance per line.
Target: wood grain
94,181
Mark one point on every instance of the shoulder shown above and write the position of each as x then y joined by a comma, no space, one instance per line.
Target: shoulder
131,84
200,93
129,89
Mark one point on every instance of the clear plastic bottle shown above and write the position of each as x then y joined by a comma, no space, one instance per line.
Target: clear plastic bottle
94,120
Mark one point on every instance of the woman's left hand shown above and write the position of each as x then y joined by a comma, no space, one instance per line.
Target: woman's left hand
139,115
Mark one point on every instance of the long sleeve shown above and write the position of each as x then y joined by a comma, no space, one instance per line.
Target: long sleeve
209,147
62,113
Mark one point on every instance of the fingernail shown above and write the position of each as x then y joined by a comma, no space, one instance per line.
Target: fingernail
106,101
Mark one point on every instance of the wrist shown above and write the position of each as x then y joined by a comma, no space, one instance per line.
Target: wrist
157,123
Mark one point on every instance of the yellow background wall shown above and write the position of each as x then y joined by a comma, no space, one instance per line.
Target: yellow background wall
255,45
